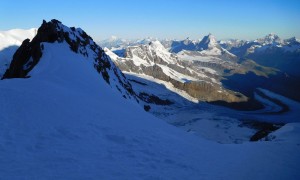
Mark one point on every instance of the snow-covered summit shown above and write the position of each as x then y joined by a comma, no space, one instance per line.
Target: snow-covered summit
208,42
54,32
292,41
150,54
157,45
270,39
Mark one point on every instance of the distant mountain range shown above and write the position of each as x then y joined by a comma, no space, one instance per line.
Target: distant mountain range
211,62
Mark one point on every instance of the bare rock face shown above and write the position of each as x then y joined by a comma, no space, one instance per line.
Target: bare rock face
21,58
204,91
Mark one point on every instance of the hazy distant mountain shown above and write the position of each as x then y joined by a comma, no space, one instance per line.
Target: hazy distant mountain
270,51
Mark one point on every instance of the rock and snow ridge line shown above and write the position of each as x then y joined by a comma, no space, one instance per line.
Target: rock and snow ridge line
29,54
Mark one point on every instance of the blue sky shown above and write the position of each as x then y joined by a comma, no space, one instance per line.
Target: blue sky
160,18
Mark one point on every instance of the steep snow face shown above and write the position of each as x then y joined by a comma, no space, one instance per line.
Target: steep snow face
9,42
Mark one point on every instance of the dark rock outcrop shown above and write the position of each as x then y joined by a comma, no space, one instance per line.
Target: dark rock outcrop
263,129
147,108
150,98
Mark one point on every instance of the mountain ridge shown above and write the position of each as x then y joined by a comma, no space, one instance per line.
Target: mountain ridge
29,54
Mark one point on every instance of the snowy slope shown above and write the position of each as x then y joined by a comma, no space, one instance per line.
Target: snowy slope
9,42
70,125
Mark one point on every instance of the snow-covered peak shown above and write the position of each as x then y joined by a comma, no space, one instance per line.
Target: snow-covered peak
54,33
111,54
187,41
292,41
270,39
208,42
157,45
149,54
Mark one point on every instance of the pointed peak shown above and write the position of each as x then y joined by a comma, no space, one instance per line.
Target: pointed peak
156,44
270,39
211,36
49,32
208,41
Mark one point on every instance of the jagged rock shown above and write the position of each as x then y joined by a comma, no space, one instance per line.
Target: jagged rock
20,58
